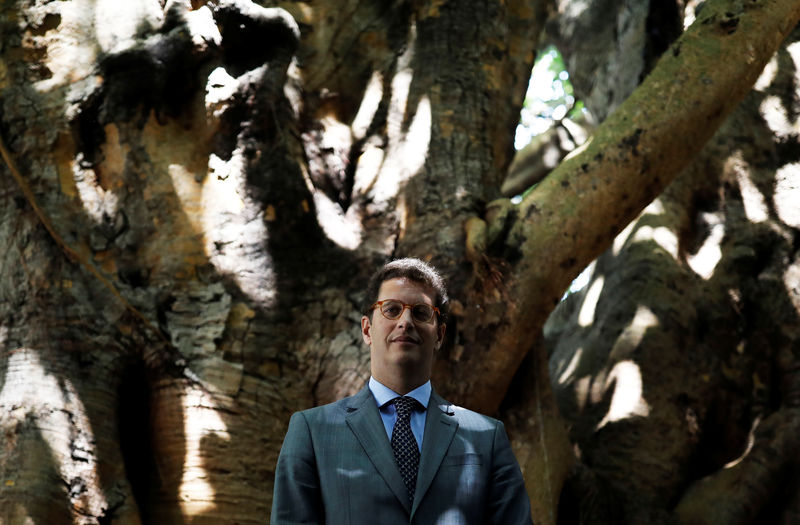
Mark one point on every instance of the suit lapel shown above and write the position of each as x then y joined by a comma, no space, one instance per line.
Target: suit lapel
440,427
364,420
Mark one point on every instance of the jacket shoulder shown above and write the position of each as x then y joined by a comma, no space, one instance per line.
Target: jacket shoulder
469,419
332,411
466,418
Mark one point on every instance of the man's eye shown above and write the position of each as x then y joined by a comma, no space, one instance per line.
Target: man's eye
422,313
392,310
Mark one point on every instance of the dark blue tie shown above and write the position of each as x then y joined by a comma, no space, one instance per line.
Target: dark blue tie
404,446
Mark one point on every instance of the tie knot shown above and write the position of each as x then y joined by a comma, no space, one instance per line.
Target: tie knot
404,405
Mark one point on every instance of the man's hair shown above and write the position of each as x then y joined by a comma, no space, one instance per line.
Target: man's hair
412,269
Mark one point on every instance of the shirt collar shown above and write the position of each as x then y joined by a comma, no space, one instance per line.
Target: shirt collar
383,394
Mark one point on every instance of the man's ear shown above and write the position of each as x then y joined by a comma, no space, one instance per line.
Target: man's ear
365,328
440,335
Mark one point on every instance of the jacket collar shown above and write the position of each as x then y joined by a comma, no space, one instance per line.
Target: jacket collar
364,420
440,427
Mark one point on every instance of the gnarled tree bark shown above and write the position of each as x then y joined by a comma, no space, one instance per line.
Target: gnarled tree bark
195,193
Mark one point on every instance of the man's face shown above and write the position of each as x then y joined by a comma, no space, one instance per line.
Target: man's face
402,348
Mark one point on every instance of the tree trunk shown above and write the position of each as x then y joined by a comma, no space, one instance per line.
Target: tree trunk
676,366
194,194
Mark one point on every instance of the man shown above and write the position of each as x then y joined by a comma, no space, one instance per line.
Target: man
396,452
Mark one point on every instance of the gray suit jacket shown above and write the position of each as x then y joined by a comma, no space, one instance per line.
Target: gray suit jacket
336,466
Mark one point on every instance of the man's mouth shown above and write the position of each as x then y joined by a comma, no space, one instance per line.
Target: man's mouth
405,339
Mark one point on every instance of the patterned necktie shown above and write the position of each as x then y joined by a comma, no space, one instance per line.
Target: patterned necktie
404,445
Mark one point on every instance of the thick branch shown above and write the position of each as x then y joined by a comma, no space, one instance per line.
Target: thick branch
736,493
535,161
575,213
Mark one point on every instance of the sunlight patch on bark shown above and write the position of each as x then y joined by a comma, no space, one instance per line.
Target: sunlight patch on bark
234,229
31,393
654,208
201,24
622,238
71,50
708,256
627,400
201,421
690,13
768,75
791,279
220,87
188,192
97,202
794,51
755,205
566,375
751,439
772,108
625,377
776,117
406,155
369,105
632,336
344,229
582,390
787,194
117,24
401,86
586,315
368,168
197,318
407,150
574,8
661,235
306,12
580,149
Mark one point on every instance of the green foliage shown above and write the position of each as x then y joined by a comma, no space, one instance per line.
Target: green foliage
550,97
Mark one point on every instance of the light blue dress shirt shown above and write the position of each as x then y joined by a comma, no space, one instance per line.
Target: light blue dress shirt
384,394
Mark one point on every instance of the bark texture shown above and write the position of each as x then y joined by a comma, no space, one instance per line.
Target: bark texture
676,365
194,193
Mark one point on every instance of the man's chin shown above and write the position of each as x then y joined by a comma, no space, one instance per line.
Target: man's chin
407,357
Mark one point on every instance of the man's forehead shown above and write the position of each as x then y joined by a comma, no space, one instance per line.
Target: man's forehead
406,284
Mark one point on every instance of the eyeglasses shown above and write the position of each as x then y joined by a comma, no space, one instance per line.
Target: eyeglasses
392,309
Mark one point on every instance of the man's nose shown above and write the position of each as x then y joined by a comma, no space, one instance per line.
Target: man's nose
406,317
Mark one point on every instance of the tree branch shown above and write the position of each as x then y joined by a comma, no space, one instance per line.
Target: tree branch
575,212
736,493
